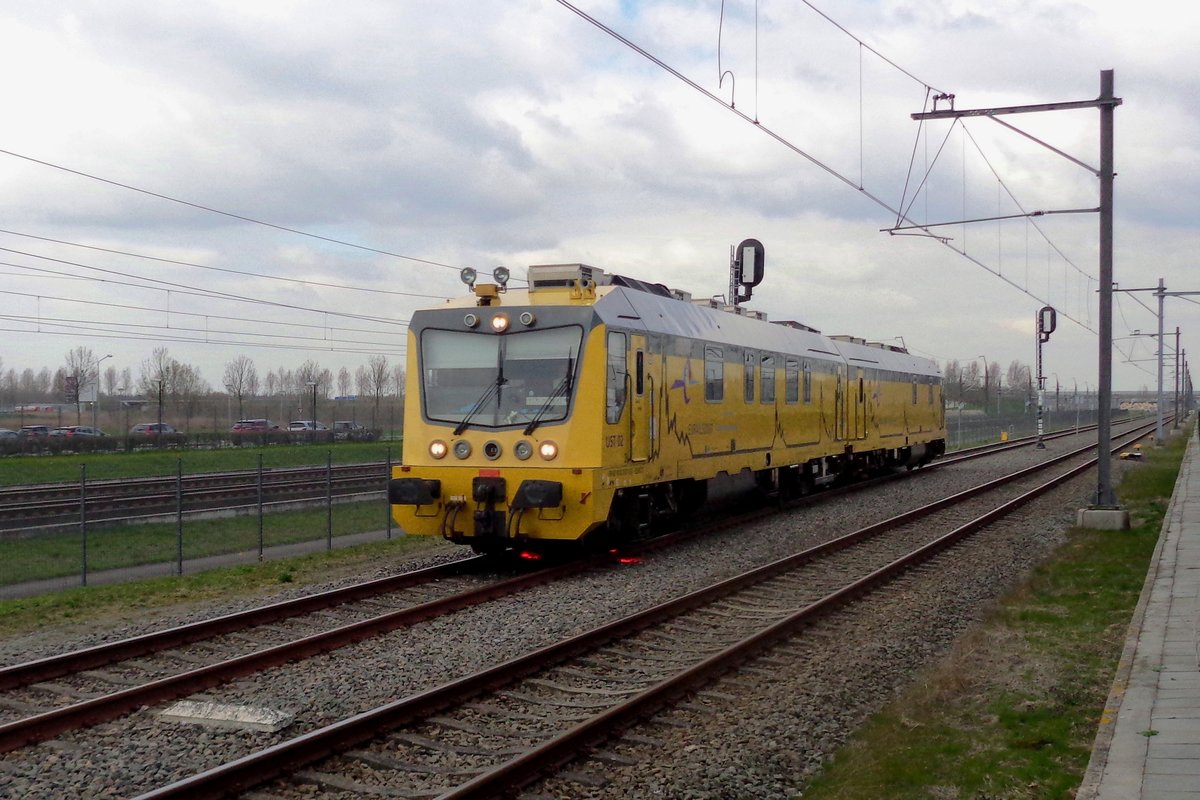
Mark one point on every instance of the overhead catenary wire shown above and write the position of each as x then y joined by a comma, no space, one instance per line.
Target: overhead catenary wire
227,270
229,214
805,154
173,286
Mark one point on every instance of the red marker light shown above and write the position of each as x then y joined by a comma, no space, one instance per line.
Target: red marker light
530,556
629,560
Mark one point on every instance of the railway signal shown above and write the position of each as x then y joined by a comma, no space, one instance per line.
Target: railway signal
1047,321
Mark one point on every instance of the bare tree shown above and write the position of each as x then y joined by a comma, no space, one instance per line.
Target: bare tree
343,382
111,379
952,379
241,380
378,376
81,365
187,387
156,373
44,384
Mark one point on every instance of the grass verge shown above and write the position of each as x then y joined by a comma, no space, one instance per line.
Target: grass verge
1012,712
130,600
64,468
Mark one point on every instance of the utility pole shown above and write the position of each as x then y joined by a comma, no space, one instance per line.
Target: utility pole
1106,103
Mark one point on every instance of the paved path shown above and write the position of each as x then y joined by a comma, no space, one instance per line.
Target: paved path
1148,746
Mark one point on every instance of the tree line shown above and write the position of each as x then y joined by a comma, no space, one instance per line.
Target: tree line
186,395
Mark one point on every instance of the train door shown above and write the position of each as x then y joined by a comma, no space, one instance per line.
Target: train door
842,406
858,401
640,399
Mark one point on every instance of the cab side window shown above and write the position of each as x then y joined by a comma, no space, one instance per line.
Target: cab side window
714,374
791,381
615,384
768,379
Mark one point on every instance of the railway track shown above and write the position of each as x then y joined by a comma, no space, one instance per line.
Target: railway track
128,499
499,729
99,705
47,507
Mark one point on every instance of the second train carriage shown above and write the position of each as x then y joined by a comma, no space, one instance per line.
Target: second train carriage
591,403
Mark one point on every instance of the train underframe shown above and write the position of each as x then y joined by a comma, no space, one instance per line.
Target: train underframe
637,511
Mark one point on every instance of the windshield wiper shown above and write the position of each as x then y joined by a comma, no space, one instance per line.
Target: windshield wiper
491,389
562,389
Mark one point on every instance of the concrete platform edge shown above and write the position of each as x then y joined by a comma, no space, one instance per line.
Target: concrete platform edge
1090,786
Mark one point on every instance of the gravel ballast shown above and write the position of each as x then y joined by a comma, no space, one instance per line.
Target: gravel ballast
783,721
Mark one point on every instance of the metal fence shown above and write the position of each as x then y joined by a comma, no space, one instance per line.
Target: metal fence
181,538
967,430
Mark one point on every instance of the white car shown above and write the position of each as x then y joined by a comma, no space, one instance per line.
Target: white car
306,425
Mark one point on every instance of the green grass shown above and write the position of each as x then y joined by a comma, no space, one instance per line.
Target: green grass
130,600
65,468
1012,713
57,555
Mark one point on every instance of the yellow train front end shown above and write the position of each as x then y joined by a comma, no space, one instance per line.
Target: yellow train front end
500,440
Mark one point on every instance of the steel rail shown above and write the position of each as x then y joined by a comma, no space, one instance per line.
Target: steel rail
23,674
42,669
280,759
568,745
40,727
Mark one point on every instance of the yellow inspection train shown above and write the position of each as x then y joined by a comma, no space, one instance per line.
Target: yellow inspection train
589,405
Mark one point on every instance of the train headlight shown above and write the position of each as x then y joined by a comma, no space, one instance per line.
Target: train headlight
492,450
500,323
527,319
523,450
500,275
438,449
462,448
471,320
467,276
548,450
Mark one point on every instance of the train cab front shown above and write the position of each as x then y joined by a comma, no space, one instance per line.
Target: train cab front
494,455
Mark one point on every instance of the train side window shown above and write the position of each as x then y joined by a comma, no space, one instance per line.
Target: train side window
640,383
615,383
748,364
791,381
930,392
914,384
807,382
768,379
714,374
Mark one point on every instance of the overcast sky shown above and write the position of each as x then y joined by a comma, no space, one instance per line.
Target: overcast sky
420,137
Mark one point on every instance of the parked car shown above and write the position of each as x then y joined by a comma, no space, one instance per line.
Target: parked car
35,431
10,441
78,430
150,429
307,430
259,431
254,426
306,425
348,430
155,434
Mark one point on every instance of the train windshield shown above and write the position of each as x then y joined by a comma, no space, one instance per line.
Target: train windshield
488,381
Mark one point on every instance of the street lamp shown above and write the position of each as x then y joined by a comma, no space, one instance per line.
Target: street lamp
312,437
159,431
985,384
96,402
